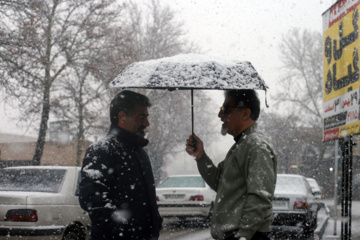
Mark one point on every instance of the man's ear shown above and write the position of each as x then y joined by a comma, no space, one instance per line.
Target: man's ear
122,119
247,114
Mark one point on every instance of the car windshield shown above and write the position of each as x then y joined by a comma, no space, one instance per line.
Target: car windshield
289,184
31,180
183,182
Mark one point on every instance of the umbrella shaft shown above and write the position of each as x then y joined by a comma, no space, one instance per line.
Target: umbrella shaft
192,118
192,111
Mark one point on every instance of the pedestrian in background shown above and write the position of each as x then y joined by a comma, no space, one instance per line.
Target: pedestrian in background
117,186
245,180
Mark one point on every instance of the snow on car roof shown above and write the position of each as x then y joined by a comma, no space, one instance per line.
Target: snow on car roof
290,175
41,167
187,175
313,183
311,179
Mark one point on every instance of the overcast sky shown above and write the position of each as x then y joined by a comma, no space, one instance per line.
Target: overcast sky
248,30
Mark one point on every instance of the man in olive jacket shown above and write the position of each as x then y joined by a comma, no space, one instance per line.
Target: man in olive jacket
245,180
117,184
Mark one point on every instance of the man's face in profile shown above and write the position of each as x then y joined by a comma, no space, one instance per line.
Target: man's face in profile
230,115
137,122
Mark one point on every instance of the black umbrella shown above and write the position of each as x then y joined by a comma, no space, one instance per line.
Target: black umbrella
189,72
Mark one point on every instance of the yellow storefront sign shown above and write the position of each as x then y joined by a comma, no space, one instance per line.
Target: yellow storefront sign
341,111
341,56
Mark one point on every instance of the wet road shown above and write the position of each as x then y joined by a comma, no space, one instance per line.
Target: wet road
186,230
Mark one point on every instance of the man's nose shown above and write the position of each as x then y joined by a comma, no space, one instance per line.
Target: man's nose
146,122
220,114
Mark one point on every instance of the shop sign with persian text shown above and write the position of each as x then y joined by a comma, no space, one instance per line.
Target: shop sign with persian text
341,69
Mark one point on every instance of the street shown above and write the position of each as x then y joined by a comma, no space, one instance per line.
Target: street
190,230
187,230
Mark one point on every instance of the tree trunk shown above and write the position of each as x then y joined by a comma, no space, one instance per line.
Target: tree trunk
79,149
80,134
46,97
43,126
80,141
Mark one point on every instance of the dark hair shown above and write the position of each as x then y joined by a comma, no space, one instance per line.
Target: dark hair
246,98
128,102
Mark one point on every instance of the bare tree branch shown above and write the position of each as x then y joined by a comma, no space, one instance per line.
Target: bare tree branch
300,93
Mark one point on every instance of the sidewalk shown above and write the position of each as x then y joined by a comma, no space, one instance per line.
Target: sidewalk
355,221
329,232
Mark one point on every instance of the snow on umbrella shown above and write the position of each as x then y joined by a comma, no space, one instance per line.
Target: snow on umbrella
190,71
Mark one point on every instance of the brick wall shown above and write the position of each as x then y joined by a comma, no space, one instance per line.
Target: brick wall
54,153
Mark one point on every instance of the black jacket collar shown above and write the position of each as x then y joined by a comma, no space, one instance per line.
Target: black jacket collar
237,138
127,136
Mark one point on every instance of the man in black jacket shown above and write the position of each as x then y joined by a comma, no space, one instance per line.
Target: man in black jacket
117,186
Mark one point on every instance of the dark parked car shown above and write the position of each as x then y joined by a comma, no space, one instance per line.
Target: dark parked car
295,207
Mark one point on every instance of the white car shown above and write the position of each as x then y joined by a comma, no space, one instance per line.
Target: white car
294,207
185,196
41,202
315,188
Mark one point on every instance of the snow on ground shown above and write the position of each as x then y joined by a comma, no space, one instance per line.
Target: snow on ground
355,221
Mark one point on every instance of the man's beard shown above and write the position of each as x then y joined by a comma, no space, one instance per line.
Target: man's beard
224,131
141,132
